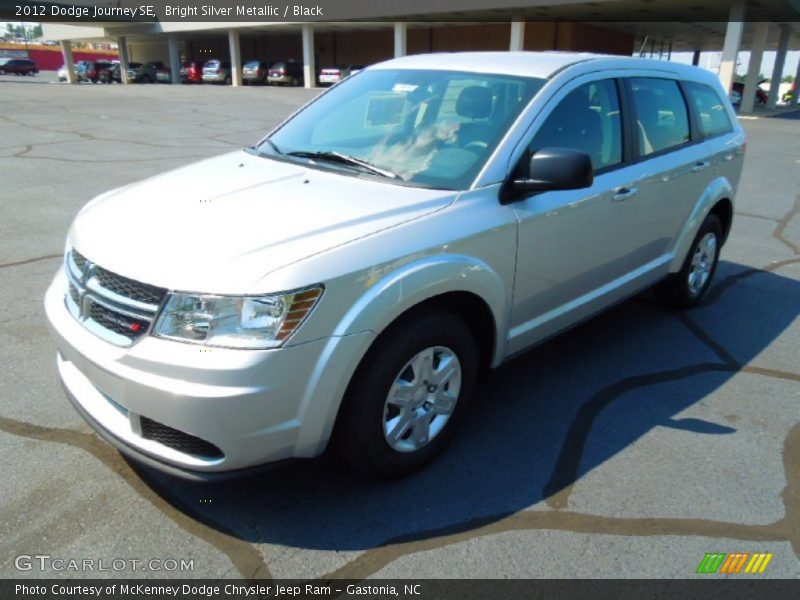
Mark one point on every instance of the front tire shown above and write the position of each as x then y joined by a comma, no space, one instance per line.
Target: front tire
408,395
686,288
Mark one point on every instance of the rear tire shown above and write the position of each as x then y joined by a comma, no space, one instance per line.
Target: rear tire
409,394
687,287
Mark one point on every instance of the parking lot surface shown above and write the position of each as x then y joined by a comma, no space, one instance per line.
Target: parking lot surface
628,447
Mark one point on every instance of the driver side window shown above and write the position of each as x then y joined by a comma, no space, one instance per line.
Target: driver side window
587,119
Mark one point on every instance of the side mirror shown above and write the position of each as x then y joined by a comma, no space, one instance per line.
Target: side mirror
555,168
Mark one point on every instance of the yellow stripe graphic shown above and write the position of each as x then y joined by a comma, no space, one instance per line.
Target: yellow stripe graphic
766,562
759,562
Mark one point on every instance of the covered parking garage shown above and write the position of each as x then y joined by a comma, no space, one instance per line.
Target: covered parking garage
666,27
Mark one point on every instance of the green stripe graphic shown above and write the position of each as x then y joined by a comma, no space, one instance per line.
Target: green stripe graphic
711,562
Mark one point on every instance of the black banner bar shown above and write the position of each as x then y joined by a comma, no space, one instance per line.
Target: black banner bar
729,588
283,11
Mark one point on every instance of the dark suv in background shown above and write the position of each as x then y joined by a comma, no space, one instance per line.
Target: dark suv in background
145,73
287,72
18,66
255,71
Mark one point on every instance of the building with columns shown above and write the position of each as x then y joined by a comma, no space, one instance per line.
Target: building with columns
382,31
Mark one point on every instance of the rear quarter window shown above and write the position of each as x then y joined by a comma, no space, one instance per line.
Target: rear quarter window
710,108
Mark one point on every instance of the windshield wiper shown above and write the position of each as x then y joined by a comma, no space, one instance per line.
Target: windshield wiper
333,156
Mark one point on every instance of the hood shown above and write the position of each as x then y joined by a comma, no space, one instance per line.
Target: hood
222,224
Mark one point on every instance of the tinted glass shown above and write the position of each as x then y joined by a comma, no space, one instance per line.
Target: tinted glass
588,119
430,128
661,115
710,109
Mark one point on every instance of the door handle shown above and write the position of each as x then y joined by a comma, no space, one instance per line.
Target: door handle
699,166
624,193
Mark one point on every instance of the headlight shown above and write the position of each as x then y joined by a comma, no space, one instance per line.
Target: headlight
235,321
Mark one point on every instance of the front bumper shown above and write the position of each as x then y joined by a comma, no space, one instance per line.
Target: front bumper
255,406
215,78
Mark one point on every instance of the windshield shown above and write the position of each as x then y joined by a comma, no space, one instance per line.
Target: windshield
429,128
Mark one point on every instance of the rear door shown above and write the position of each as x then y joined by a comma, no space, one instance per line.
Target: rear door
673,163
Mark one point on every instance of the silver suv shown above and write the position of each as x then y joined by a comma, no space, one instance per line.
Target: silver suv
347,278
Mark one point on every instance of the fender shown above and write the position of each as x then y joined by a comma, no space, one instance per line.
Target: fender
717,190
388,298
425,278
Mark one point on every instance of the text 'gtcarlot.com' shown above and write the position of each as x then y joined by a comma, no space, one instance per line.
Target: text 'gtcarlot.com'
46,562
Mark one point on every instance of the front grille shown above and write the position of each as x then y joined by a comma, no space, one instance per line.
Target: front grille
79,259
74,294
120,324
116,308
129,288
178,440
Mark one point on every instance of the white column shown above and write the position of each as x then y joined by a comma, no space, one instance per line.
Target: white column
66,52
236,57
400,39
753,69
517,36
309,68
174,58
796,86
122,47
730,50
780,62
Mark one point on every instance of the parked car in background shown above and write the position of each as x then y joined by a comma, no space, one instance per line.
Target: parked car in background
192,72
19,66
287,72
164,75
62,73
145,73
255,71
217,71
108,71
407,230
791,96
333,75
737,89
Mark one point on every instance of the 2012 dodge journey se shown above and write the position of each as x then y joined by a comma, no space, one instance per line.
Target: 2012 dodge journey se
347,278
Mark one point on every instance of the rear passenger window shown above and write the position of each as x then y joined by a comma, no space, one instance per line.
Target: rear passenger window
587,119
661,115
710,109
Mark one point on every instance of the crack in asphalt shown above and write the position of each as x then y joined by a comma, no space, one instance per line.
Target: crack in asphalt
28,261
784,529
245,557
784,223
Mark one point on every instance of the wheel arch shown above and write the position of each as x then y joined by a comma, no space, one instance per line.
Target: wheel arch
717,198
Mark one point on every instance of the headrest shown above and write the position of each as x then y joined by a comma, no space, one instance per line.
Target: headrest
474,102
